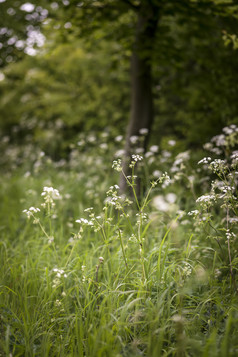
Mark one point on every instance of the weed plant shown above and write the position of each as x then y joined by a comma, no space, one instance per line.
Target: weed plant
88,271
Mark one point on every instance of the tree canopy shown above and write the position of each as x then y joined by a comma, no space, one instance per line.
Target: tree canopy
71,61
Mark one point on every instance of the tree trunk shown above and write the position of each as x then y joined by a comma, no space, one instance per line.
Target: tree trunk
141,114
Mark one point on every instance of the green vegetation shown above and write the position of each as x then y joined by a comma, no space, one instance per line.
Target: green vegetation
86,271
119,177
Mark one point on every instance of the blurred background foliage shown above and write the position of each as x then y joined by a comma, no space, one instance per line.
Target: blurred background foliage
79,78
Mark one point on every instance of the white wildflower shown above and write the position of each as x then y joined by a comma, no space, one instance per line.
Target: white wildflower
172,142
134,139
101,260
50,191
166,154
58,302
80,142
137,158
116,165
205,160
154,148
103,146
50,240
233,220
139,150
160,203
119,138
91,139
206,200
193,213
219,140
229,234
30,212
171,197
119,153
148,154
144,131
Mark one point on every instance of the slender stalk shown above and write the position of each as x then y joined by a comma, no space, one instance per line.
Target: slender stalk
123,250
132,184
41,227
229,250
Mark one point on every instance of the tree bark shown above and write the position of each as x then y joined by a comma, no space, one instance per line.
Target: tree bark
141,113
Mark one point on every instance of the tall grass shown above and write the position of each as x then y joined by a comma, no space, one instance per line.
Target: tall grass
96,273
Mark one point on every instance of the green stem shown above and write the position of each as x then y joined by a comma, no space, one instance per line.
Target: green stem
123,250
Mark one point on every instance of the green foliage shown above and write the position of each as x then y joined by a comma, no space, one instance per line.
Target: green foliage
94,273
83,84
62,92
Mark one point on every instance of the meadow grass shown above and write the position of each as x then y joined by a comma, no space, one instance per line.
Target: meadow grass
91,274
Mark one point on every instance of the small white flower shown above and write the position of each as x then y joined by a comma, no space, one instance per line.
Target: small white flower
144,131
233,220
103,146
172,142
166,154
119,153
193,213
154,148
134,139
58,302
91,139
80,142
137,158
30,212
50,240
205,160
139,150
101,260
171,197
89,209
157,173
219,140
116,165
118,138
148,154
160,203
51,192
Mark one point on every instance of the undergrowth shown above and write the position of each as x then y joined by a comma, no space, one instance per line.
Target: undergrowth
88,271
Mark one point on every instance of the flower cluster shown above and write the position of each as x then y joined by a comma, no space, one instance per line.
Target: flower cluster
205,160
143,131
94,222
141,218
229,234
234,158
50,194
84,221
187,270
116,165
59,275
194,213
220,142
206,200
30,212
218,166
134,139
154,149
114,199
135,159
179,163
164,179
